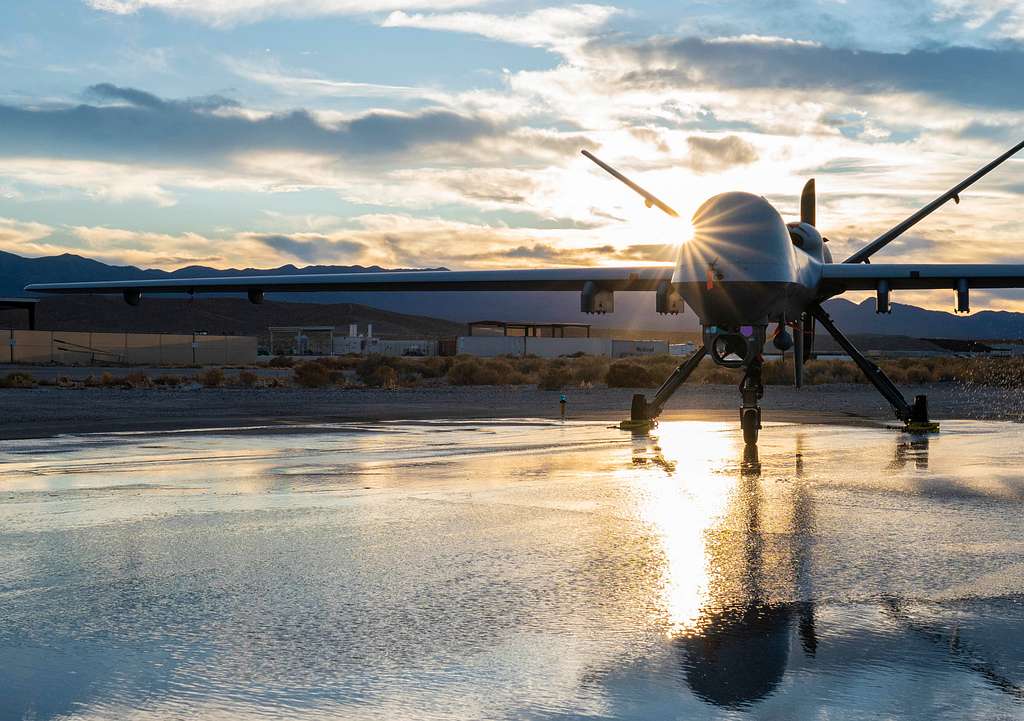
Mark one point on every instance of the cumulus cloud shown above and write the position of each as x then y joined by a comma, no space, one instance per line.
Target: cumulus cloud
249,11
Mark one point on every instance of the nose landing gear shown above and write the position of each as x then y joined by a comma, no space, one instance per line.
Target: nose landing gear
751,391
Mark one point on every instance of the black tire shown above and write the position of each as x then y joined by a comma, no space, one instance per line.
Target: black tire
750,420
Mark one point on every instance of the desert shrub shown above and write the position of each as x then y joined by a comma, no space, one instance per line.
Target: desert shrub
281,361
778,373
531,364
628,374
247,378
555,377
463,373
211,378
484,372
385,377
312,374
919,374
433,367
369,369
137,379
381,371
17,379
493,372
717,375
168,381
589,369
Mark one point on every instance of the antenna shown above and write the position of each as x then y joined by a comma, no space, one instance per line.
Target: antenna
862,255
649,198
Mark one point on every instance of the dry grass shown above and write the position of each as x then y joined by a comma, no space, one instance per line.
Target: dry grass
211,377
247,378
312,374
553,373
17,379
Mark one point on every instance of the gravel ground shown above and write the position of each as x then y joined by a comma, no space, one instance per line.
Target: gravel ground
47,411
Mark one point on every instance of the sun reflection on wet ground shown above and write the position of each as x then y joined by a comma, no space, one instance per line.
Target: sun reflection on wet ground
513,570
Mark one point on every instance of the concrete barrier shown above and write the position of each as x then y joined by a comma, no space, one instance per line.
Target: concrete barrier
72,348
623,348
143,349
81,348
489,346
239,349
29,346
555,347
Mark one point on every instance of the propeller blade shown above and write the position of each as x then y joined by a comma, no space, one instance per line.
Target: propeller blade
649,198
807,203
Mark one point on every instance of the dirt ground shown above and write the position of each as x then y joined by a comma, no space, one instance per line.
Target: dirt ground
49,411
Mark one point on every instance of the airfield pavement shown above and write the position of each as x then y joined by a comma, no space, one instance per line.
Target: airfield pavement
517,569
49,411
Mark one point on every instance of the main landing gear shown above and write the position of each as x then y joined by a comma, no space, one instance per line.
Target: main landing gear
914,415
644,413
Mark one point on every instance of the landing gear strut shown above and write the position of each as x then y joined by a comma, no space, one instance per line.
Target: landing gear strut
643,414
914,416
751,391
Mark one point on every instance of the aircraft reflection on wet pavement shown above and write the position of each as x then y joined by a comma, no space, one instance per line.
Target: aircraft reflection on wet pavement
735,654
513,569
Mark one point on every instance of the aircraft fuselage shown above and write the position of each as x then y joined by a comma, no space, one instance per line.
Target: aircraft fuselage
742,267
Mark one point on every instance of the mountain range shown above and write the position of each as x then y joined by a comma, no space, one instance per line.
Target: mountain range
633,310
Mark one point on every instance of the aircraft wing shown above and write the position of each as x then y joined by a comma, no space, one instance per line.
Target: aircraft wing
609,278
839,277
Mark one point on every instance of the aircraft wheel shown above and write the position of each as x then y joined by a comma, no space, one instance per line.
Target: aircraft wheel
750,420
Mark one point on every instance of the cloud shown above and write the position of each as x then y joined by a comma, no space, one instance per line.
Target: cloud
142,99
966,75
143,127
222,13
998,18
752,39
311,248
386,240
16,234
559,28
311,85
711,154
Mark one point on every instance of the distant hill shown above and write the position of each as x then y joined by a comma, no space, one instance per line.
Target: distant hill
633,310
220,316
909,320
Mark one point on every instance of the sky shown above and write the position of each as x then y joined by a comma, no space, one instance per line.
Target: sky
255,133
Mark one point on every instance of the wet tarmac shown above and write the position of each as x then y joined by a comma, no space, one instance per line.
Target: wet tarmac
519,570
